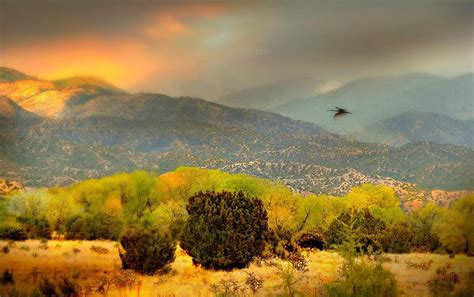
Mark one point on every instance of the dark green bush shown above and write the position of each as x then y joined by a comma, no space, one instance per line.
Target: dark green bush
13,233
146,251
224,230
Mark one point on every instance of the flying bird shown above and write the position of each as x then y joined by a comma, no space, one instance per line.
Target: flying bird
339,111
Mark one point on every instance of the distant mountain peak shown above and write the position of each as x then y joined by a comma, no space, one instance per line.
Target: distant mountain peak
11,75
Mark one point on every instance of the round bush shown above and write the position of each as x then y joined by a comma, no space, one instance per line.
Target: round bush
146,251
224,230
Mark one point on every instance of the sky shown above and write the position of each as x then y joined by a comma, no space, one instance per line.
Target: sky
210,49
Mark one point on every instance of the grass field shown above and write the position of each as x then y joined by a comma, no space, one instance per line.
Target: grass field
31,260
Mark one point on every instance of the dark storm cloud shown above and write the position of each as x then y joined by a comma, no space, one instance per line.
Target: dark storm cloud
213,48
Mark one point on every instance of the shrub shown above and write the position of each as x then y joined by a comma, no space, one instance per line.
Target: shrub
280,244
146,251
7,277
288,278
253,282
224,230
35,228
13,233
99,250
6,249
47,288
443,282
68,288
227,288
97,226
313,239
43,244
363,279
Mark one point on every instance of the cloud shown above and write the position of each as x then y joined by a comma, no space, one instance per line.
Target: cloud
210,49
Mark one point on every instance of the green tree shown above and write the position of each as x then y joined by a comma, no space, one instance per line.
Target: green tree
224,230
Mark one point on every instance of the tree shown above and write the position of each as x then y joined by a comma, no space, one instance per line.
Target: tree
96,226
224,230
456,230
359,227
146,251
424,223
398,238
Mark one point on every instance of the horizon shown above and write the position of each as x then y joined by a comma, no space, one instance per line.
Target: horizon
215,100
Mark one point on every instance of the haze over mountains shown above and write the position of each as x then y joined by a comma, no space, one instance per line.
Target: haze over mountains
100,129
271,95
415,126
380,98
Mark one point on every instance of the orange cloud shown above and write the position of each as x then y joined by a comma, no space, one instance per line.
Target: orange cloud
125,63
130,61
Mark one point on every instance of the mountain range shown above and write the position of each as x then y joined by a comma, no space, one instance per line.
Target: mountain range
377,99
415,126
58,132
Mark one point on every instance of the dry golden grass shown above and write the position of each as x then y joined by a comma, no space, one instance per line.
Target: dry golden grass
185,279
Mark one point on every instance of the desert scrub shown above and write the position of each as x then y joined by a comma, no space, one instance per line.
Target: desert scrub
5,249
443,282
43,244
99,250
227,288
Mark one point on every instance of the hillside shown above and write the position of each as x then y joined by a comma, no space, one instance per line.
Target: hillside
51,98
11,75
417,126
124,132
375,99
